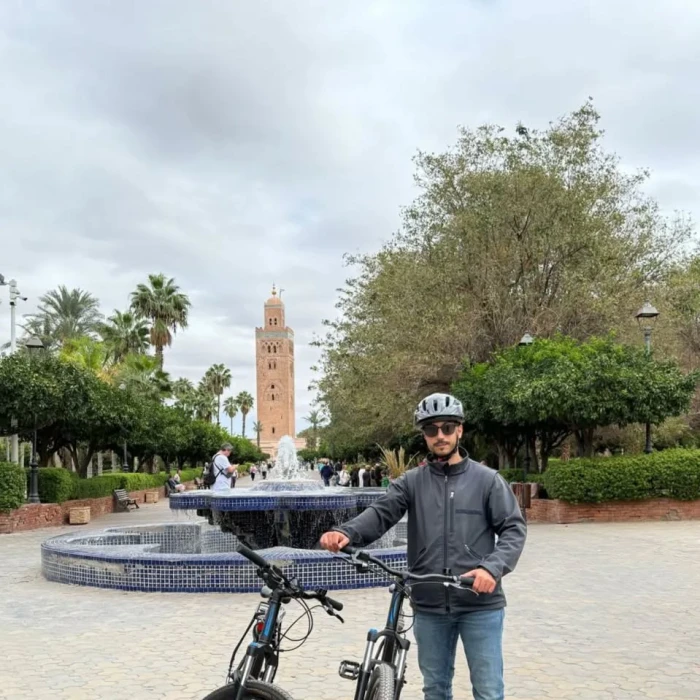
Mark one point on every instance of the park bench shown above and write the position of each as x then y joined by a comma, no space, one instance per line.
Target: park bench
122,500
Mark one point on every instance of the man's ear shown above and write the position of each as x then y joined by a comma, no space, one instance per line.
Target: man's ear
460,432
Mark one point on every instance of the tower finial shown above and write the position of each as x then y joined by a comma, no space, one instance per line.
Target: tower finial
274,290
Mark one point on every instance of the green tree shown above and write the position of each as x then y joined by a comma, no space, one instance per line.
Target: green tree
142,376
257,429
204,402
562,386
314,419
124,333
218,378
245,403
231,409
64,314
165,306
184,393
88,353
540,229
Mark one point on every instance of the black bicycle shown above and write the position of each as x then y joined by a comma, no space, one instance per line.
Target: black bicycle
253,678
381,674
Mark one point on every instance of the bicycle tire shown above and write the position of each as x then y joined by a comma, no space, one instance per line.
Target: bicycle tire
255,690
381,683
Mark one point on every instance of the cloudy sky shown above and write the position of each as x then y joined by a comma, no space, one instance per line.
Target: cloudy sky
231,144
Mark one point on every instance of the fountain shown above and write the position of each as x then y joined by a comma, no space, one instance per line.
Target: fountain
283,516
286,511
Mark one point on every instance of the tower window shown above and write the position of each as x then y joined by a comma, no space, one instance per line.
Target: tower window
273,386
275,321
274,348
273,429
270,321
273,397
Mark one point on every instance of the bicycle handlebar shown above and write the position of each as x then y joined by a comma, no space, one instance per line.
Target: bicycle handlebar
295,588
365,556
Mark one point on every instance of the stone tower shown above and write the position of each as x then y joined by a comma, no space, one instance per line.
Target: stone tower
274,350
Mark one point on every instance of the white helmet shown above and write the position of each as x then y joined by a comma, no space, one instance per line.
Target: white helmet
439,407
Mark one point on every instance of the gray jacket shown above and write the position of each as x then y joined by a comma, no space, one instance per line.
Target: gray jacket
454,513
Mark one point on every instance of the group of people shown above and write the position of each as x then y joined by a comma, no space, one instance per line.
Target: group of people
357,476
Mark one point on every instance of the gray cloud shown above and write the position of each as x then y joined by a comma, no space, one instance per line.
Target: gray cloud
233,144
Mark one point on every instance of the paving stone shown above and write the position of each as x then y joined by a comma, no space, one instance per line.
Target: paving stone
595,611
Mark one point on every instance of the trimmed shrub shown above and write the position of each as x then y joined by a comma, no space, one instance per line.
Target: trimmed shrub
667,474
55,484
12,485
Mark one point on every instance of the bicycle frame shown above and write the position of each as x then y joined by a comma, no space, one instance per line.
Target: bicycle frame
263,652
393,646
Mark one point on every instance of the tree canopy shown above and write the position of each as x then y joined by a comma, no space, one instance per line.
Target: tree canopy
540,230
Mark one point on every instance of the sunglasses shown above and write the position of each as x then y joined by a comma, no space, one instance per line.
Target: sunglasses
432,430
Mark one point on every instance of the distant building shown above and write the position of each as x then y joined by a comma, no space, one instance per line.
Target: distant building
274,351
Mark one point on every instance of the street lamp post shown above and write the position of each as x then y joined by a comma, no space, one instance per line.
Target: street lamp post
525,341
125,462
646,318
34,346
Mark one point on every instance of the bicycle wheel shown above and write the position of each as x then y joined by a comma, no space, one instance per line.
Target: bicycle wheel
381,683
255,690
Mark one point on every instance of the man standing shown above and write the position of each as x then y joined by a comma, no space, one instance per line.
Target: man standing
326,474
223,469
457,508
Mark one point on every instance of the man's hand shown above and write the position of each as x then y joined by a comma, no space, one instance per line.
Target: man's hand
483,581
334,541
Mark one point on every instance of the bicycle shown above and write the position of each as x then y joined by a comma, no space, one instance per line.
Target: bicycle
253,678
381,674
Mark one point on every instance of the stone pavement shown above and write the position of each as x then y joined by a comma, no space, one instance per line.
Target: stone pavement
596,612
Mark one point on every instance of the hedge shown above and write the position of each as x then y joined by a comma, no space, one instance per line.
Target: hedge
511,475
667,474
57,485
12,486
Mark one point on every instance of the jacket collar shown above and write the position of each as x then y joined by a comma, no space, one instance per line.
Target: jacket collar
443,468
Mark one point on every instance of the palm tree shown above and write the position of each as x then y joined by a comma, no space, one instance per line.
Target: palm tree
218,378
245,404
141,375
63,314
204,401
124,332
314,420
88,353
184,393
258,428
231,409
165,306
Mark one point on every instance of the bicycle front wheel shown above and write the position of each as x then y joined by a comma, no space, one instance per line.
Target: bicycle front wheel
381,683
255,690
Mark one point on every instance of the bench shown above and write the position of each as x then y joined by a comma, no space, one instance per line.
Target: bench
122,500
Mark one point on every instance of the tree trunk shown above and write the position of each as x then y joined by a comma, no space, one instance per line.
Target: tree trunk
159,356
584,442
218,410
243,426
231,425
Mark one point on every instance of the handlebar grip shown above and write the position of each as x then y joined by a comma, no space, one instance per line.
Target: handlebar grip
466,582
335,604
348,549
253,557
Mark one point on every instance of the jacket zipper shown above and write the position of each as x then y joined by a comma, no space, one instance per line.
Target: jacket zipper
446,571
452,512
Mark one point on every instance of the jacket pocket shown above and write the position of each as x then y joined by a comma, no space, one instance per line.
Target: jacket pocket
469,511
473,553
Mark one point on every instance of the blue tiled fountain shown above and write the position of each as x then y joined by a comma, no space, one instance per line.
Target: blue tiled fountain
283,518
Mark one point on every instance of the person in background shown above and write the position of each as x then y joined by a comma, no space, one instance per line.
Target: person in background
177,480
224,471
326,474
377,475
354,477
361,475
385,480
367,478
253,472
344,477
263,470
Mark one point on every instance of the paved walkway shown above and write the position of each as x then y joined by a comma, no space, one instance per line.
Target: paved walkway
596,612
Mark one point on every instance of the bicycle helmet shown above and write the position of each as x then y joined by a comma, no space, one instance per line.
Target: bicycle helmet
439,407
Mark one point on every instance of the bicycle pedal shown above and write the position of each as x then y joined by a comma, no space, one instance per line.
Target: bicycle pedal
349,670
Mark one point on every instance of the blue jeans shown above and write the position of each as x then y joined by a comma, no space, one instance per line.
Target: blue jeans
482,635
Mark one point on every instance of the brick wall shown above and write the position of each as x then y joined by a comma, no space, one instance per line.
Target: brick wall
32,516
553,511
